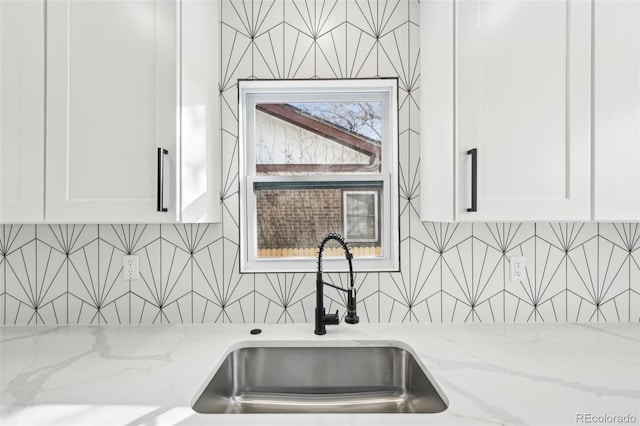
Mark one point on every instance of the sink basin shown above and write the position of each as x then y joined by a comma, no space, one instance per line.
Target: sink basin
327,379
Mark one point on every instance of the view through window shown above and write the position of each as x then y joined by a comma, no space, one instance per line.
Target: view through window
317,163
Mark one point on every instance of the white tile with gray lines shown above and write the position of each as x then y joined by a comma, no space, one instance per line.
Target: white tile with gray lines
72,274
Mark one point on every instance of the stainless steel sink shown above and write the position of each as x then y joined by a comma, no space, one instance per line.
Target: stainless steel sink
362,379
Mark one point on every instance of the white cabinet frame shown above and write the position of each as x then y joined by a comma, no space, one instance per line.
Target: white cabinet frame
616,111
22,113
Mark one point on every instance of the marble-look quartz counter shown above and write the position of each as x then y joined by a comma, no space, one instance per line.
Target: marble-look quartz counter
511,374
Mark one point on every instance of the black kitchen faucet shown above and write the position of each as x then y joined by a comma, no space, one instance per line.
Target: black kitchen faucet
322,318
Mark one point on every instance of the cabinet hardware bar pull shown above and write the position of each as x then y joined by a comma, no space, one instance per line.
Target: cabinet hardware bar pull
474,179
161,153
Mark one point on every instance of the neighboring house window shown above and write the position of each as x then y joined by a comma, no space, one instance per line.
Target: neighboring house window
361,219
315,157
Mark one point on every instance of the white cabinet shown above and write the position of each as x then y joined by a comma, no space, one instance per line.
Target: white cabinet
617,110
200,146
511,79
132,104
126,82
111,102
21,111
437,106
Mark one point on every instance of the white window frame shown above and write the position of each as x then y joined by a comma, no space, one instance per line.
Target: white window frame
345,219
252,92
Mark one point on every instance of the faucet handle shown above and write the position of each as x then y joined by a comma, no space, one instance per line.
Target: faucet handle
331,319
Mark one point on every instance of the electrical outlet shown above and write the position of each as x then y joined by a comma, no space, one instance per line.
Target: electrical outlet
131,267
517,268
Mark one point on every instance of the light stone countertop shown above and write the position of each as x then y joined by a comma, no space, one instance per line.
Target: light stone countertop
543,374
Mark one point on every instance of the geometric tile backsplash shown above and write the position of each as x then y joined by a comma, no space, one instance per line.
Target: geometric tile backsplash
72,274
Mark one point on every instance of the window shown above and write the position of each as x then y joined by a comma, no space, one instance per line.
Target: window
318,156
361,219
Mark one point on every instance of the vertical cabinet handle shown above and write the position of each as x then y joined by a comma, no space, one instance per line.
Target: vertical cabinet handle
474,179
161,153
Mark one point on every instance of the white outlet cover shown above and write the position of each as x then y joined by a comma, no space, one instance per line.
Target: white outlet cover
518,264
131,267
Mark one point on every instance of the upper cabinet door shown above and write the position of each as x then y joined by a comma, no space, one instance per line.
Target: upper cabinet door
617,110
523,87
111,103
21,111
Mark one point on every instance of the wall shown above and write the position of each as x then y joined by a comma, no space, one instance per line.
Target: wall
450,272
297,218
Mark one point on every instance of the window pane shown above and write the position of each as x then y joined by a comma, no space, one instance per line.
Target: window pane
291,222
361,215
318,138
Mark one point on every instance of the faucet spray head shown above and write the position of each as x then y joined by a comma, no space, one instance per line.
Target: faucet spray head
351,317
